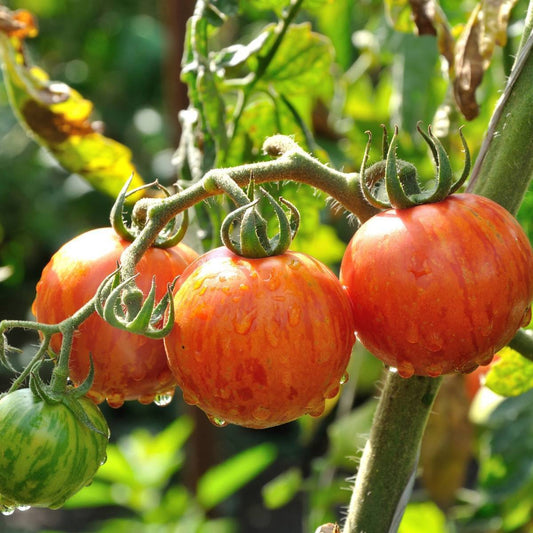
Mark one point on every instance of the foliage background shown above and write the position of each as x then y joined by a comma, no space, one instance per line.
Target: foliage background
124,57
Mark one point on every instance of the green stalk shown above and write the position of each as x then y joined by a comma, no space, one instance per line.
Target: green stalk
391,453
504,166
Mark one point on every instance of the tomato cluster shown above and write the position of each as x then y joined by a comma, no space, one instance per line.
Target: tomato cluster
433,289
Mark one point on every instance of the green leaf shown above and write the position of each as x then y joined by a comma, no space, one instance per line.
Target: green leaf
423,517
155,458
58,118
511,375
221,481
399,15
348,435
301,65
282,489
506,449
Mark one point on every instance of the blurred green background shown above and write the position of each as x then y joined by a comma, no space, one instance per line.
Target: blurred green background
169,469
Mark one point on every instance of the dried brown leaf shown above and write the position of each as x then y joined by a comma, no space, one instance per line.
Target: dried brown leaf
486,28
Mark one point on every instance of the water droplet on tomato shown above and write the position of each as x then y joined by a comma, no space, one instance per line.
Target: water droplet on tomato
216,421
272,334
294,315
23,508
434,342
405,369
163,399
7,511
243,287
243,324
261,413
295,264
345,377
332,392
115,400
435,370
526,319
317,409
146,399
104,460
96,397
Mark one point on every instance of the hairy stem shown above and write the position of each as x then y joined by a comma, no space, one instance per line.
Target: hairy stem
292,163
391,454
504,166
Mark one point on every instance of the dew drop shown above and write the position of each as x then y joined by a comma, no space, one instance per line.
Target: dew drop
216,421
332,392
345,377
243,324
243,287
163,399
96,397
405,369
115,400
434,342
261,413
104,460
294,315
146,399
294,264
7,511
435,370
317,409
24,508
272,334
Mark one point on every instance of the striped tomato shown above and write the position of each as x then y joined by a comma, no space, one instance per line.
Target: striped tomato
126,366
46,452
259,342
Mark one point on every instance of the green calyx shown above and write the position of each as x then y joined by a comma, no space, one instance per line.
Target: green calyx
401,186
171,235
244,230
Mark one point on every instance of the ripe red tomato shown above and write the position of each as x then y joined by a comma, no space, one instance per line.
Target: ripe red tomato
439,288
259,342
126,366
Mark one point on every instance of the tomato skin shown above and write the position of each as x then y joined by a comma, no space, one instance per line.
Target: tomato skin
259,342
126,366
439,288
46,453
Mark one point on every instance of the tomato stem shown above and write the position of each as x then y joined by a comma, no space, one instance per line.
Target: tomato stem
391,454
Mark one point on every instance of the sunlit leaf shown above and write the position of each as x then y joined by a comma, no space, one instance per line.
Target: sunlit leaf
399,15
58,118
282,489
301,64
221,481
511,375
424,517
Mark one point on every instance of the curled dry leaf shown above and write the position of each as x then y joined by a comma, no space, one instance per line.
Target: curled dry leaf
485,29
431,20
57,116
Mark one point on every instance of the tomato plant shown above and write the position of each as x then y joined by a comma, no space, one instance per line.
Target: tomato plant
259,342
47,453
440,287
126,366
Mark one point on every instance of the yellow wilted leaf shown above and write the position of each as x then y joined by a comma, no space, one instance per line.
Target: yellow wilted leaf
57,116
